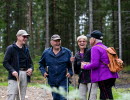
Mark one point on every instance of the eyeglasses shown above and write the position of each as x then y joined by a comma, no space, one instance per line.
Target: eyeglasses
25,37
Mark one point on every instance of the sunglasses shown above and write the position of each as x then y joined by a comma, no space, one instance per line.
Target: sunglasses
25,37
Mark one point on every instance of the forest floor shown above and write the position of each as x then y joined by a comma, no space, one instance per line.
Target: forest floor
37,93
33,93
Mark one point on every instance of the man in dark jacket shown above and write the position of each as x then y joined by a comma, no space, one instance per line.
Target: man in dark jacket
18,63
57,60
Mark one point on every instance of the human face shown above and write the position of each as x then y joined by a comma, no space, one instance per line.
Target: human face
56,44
92,41
22,39
82,43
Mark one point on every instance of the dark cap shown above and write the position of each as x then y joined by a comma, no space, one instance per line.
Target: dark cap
55,37
96,34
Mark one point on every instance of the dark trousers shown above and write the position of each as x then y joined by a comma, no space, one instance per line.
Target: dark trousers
57,96
106,89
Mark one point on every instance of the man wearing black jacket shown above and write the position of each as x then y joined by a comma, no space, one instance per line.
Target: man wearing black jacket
18,63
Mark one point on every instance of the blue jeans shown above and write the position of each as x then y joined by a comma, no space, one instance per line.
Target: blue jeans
57,96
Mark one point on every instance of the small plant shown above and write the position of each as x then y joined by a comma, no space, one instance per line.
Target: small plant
72,94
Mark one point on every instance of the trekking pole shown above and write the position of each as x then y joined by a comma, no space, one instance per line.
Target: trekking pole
45,92
67,83
19,88
74,80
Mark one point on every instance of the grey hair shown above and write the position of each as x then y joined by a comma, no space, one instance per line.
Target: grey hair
81,37
97,40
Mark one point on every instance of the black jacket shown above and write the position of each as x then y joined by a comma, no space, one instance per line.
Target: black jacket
11,60
84,75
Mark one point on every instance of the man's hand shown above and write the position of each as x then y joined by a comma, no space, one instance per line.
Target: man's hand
45,74
68,75
14,73
72,59
29,72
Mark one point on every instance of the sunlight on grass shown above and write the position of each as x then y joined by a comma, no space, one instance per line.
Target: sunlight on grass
124,96
3,83
121,94
73,93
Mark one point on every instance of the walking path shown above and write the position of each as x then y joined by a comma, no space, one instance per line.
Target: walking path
33,93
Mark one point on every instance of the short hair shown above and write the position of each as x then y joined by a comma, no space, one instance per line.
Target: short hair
81,37
98,40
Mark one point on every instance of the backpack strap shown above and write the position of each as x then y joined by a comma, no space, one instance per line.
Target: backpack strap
101,46
103,62
104,49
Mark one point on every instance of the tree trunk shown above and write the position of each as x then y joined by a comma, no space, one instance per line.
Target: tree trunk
90,16
7,21
30,27
119,28
47,24
75,28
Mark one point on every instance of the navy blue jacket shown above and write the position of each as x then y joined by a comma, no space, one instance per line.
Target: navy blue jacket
11,60
57,65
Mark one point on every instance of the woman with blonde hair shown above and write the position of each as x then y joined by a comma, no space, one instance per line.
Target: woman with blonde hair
85,85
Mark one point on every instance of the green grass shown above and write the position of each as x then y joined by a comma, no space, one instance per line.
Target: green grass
118,94
3,71
127,68
34,85
3,83
121,94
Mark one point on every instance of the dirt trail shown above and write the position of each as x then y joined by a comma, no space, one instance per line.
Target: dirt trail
33,93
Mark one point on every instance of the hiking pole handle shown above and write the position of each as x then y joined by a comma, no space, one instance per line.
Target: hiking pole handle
74,79
72,63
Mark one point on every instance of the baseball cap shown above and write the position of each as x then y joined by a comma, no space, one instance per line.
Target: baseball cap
96,34
22,32
55,37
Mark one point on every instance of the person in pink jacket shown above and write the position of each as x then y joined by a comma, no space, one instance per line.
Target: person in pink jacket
100,72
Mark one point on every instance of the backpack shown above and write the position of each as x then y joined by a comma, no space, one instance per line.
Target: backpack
115,64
